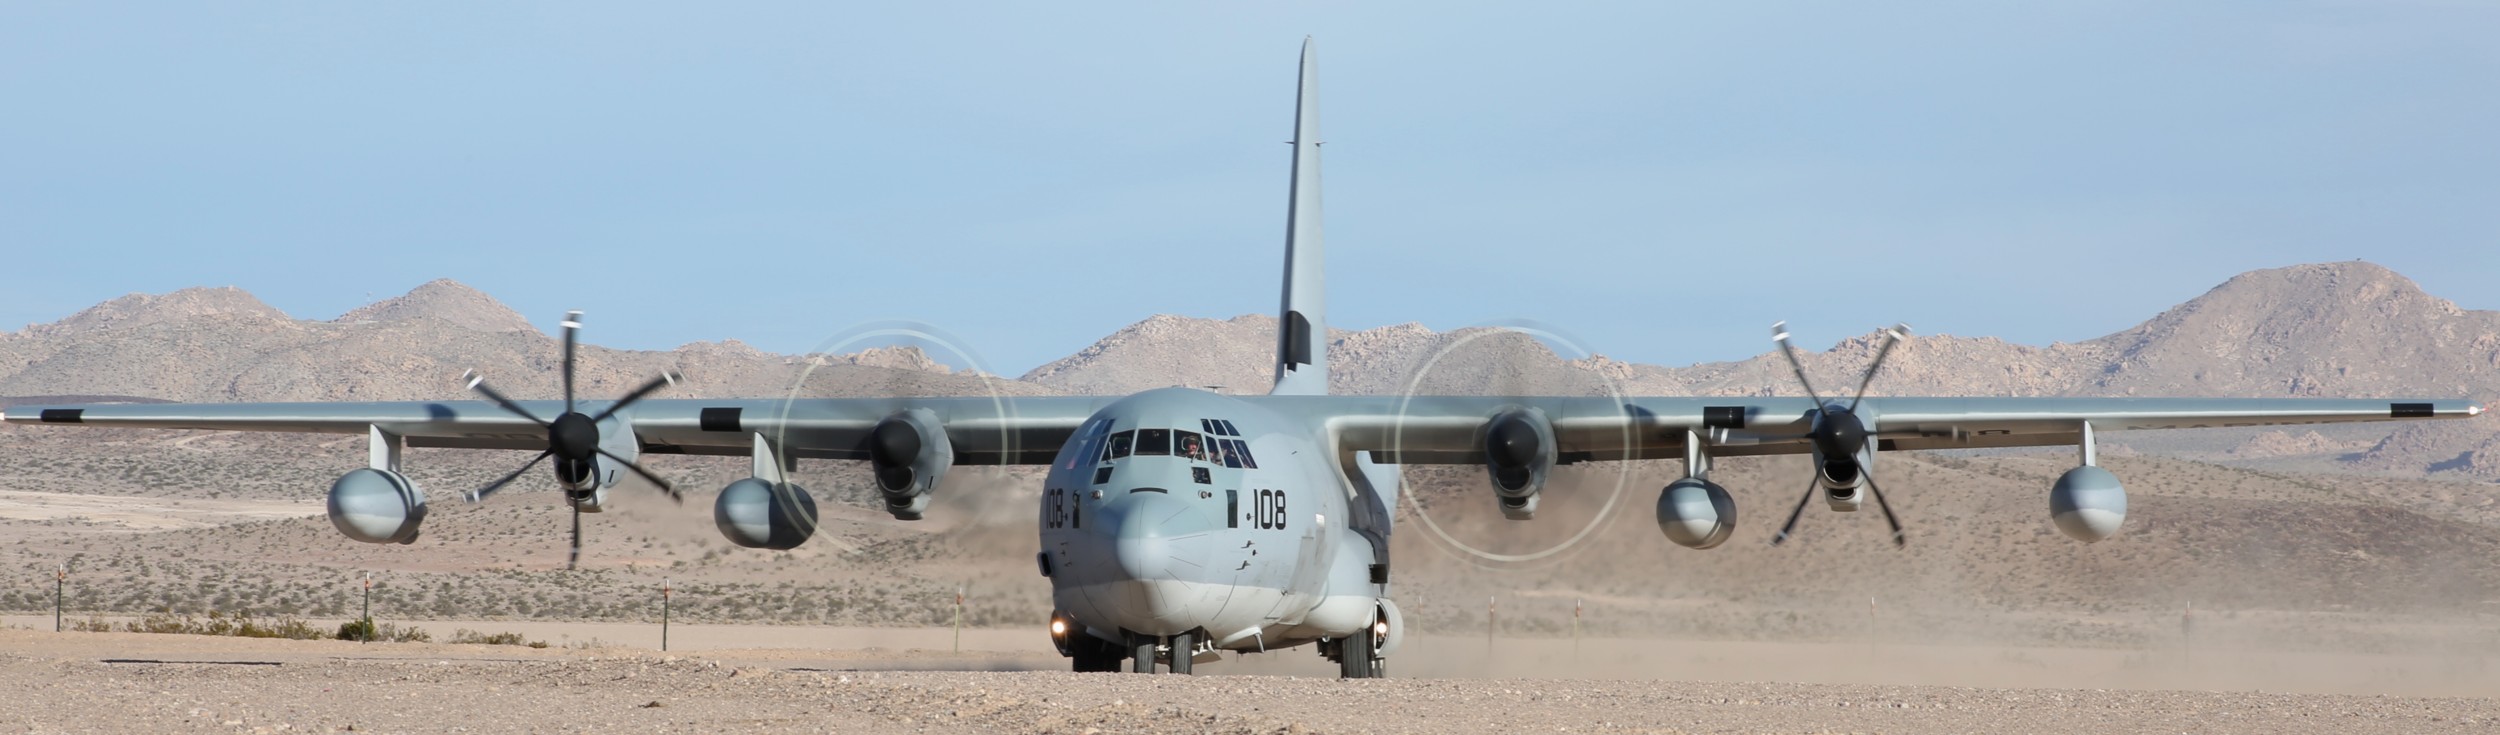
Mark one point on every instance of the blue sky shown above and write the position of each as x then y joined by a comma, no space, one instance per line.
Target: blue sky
1660,180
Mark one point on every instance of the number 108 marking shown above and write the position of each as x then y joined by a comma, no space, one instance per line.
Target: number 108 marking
1267,509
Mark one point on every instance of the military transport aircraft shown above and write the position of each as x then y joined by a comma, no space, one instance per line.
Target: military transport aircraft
1175,523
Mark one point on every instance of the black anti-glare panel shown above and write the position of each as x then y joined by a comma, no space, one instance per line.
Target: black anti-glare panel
64,415
2394,410
721,419
1723,417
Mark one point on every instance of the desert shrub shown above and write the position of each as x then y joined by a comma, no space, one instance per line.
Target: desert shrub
216,623
507,638
366,630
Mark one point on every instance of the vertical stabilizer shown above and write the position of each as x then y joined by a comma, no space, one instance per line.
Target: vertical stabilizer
1302,325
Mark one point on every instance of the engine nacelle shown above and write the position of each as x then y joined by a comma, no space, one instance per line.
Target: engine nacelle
1518,454
763,515
909,451
1696,513
2088,503
376,506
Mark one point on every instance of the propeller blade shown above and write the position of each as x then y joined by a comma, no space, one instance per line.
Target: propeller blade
665,487
1789,528
1899,540
480,494
576,559
1891,337
667,378
572,334
1779,333
478,383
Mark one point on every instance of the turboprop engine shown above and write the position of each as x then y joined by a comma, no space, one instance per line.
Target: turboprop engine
376,506
1696,513
2088,504
760,514
909,452
1518,454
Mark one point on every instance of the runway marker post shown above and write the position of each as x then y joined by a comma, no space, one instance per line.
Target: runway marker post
1575,628
60,579
368,636
663,613
959,619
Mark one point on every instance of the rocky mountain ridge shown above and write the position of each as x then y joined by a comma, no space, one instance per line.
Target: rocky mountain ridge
2328,329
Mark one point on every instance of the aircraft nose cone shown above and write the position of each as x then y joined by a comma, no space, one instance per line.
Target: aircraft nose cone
1143,557
1145,540
1157,544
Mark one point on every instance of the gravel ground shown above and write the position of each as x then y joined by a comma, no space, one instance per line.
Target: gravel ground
154,683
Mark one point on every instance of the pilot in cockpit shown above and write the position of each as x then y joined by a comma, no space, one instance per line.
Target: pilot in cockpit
1190,447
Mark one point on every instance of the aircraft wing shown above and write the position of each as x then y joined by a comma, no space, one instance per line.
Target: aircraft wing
1398,430
983,430
1451,430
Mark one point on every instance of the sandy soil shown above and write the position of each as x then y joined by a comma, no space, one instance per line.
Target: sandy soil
769,678
146,514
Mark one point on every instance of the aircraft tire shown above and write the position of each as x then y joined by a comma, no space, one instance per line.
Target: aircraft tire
1355,656
1142,654
1181,645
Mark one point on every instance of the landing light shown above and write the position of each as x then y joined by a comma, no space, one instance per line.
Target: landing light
1058,628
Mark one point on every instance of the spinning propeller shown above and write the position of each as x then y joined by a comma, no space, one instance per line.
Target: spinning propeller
573,438
1839,435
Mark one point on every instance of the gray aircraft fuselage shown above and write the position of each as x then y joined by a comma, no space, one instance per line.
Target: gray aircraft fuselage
1179,510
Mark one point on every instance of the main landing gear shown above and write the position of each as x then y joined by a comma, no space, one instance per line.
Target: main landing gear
1358,657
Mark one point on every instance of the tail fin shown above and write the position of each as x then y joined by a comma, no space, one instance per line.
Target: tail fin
1302,328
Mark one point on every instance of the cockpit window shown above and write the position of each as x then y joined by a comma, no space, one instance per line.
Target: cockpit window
1229,429
1119,445
1228,453
1091,446
1154,442
1188,444
1242,448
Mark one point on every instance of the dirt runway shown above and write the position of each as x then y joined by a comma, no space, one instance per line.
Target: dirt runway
126,682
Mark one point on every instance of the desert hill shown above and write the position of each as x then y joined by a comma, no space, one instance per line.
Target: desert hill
2331,329
446,300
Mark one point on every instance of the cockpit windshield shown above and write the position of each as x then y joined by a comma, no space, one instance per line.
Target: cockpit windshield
1211,448
1154,442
